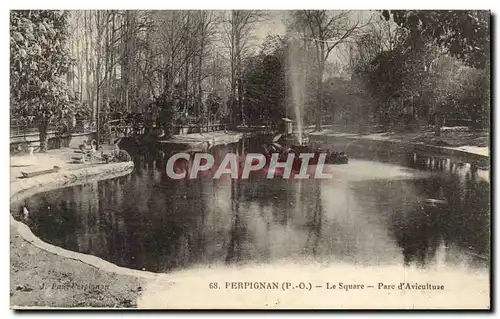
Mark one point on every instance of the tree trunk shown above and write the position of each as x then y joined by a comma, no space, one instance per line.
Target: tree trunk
437,124
125,61
42,131
320,98
186,86
239,84
98,76
233,69
186,74
106,90
320,106
240,96
231,110
87,63
199,95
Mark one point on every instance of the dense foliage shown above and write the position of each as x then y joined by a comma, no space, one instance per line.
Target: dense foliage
435,73
38,64
264,83
464,33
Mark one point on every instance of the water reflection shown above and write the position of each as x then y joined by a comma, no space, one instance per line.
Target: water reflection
375,214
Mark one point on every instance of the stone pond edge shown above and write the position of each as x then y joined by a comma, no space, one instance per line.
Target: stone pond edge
23,188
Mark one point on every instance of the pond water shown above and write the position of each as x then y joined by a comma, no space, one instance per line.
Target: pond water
374,212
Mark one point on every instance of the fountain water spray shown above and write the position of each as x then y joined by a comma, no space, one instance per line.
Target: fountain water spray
296,82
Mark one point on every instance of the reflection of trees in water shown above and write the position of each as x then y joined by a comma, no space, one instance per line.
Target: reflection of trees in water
271,196
129,220
315,224
169,227
457,218
476,212
54,220
419,234
177,235
238,230
273,208
462,220
70,217
132,221
262,203
238,233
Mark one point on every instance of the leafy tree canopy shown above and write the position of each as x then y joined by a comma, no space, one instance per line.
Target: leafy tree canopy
464,33
39,61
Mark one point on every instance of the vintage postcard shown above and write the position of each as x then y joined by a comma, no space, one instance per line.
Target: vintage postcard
250,159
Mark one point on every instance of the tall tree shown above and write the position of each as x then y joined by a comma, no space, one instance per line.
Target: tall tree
327,30
39,63
239,31
264,83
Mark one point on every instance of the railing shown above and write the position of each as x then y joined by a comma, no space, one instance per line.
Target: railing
126,127
19,127
83,126
199,128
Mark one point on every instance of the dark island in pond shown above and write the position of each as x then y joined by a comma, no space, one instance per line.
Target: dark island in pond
292,146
